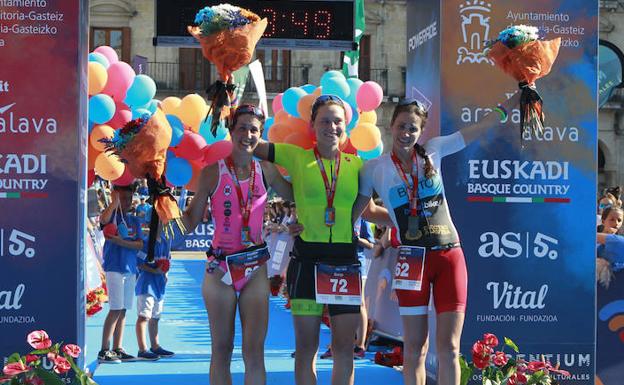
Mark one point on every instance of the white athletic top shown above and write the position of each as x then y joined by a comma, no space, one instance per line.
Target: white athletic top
435,221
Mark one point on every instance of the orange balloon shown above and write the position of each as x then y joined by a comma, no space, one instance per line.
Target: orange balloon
97,77
280,116
170,104
92,155
317,92
368,117
297,125
192,110
365,137
278,132
300,139
101,131
109,166
304,107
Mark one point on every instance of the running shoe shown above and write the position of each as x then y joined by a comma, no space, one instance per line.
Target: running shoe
160,352
359,353
327,355
146,355
108,357
123,356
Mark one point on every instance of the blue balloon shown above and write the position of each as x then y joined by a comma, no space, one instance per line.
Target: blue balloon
309,88
354,120
140,112
291,99
335,86
101,108
91,125
179,171
206,132
141,92
98,57
267,126
354,86
367,155
177,130
152,106
332,74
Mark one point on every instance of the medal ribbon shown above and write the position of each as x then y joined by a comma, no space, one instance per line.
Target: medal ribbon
412,188
330,190
245,206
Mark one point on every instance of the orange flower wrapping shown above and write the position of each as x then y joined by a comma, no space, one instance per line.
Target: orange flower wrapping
527,62
231,49
146,154
147,151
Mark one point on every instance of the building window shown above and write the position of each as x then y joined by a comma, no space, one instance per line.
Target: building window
276,65
117,38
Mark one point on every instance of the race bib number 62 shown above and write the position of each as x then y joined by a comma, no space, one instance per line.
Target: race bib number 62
409,268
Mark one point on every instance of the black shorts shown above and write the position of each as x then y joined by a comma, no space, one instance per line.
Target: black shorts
300,273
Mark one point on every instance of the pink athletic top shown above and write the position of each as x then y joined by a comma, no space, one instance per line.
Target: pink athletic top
226,211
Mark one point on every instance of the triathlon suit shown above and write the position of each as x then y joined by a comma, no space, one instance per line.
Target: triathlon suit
445,267
228,220
318,242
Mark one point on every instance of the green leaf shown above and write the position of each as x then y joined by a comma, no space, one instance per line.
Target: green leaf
465,370
15,357
40,351
48,377
512,345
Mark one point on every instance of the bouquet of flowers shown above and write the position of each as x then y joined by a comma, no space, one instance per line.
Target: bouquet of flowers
95,298
497,368
163,264
142,144
29,370
228,36
520,54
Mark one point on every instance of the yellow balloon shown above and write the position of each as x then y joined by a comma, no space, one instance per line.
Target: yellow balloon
368,117
97,77
192,110
170,104
100,131
365,137
109,166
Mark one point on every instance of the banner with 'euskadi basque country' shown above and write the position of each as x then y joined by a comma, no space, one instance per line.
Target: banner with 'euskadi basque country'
524,205
43,125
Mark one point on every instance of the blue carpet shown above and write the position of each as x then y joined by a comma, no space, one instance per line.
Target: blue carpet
184,330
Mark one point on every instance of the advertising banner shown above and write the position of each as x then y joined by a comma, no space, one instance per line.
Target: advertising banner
610,332
43,128
524,205
198,240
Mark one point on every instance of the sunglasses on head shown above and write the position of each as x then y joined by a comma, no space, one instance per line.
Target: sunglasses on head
323,99
412,101
248,109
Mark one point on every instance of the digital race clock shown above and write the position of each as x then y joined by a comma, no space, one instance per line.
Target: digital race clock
292,24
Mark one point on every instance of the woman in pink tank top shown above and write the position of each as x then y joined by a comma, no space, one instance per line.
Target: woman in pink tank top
236,274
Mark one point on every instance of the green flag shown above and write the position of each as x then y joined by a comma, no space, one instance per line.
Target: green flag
351,58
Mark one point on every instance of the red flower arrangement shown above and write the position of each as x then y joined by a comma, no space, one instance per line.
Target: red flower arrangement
163,265
28,369
498,368
95,298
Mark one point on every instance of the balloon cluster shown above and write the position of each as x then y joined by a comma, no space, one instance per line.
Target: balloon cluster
117,95
292,112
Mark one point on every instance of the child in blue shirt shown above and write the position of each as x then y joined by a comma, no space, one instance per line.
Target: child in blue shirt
610,248
123,240
150,291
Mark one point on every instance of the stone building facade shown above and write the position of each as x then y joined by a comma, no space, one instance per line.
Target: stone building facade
128,25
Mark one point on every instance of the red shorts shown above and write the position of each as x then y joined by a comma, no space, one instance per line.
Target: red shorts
445,271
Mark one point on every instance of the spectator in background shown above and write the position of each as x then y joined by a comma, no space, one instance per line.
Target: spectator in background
143,190
610,249
144,210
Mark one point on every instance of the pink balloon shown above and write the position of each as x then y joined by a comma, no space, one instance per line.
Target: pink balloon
191,147
125,179
348,112
217,151
122,116
277,103
369,96
108,53
120,78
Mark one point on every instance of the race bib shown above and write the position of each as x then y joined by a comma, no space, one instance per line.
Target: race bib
338,285
409,268
241,265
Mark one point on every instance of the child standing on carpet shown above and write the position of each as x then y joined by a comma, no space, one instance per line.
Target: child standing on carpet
150,291
122,232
